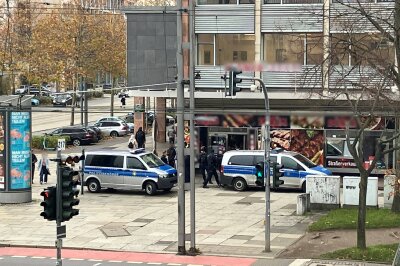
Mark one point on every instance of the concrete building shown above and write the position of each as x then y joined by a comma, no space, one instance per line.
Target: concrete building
294,46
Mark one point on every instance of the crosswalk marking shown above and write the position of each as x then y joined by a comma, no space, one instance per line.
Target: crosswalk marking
174,264
75,259
18,256
94,260
154,263
134,262
38,257
299,262
115,261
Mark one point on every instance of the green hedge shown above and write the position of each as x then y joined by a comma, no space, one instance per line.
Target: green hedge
45,100
51,141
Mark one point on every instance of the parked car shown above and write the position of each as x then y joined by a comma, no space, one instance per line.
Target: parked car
35,102
129,118
43,91
22,89
97,131
78,135
136,169
238,168
169,120
62,100
113,118
113,128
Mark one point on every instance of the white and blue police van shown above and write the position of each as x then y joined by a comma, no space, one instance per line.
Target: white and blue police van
238,168
134,169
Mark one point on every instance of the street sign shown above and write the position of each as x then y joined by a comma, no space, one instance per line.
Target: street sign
61,231
61,144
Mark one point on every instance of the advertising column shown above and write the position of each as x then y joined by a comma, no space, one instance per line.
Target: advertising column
17,182
2,156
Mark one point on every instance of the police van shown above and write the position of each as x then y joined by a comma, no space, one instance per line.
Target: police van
238,168
135,169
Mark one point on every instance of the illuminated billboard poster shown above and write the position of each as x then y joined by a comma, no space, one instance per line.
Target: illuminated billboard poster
20,149
2,158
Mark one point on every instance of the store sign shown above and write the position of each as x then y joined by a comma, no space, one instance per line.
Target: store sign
340,163
20,149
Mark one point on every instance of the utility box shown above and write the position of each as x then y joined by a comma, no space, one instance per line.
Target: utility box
351,190
324,192
388,190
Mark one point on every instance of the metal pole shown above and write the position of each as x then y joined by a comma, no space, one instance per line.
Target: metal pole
192,107
112,101
267,163
83,96
180,133
83,170
86,104
58,209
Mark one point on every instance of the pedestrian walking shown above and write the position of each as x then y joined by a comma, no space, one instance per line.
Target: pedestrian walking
123,101
203,163
34,161
171,154
132,144
43,168
211,169
171,135
140,137
164,157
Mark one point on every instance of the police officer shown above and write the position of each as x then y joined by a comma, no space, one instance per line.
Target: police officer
212,164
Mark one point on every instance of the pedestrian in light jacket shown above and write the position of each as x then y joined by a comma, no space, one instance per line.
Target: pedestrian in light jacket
43,168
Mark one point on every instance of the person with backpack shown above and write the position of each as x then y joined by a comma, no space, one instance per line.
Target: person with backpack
203,163
140,138
171,154
212,164
132,144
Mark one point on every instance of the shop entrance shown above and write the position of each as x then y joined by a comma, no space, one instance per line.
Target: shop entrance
225,141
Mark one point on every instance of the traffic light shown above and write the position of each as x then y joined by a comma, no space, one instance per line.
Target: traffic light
49,203
260,174
233,81
72,159
276,174
69,192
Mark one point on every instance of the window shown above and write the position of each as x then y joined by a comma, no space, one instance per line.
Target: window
134,163
260,159
229,48
234,48
289,163
224,2
284,48
205,49
314,51
105,161
241,160
151,160
304,160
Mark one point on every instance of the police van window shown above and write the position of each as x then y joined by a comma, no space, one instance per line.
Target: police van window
134,163
241,160
289,163
105,161
260,159
151,160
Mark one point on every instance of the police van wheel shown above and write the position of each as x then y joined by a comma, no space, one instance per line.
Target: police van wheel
93,185
239,184
150,187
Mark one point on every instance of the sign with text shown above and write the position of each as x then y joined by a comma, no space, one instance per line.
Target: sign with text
20,150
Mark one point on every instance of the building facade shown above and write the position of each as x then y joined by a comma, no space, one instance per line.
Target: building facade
295,47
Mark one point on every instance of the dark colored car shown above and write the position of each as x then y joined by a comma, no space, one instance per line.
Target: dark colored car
78,135
62,100
96,130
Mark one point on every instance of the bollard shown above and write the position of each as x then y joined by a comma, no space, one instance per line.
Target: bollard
301,204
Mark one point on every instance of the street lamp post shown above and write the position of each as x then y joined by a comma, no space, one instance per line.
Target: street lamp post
267,162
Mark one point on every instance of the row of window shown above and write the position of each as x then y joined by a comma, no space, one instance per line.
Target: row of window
238,2
302,49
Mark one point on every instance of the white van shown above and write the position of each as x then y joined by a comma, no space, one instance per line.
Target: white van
136,169
238,168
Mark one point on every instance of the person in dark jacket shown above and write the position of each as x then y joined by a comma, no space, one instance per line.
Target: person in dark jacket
212,164
140,137
203,163
164,157
34,161
171,154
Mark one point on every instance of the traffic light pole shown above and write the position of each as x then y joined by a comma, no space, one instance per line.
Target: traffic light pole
59,207
267,163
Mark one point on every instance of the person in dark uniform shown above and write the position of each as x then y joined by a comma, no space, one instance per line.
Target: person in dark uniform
212,164
34,161
203,163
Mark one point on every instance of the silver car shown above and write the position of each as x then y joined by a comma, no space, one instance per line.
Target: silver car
113,128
